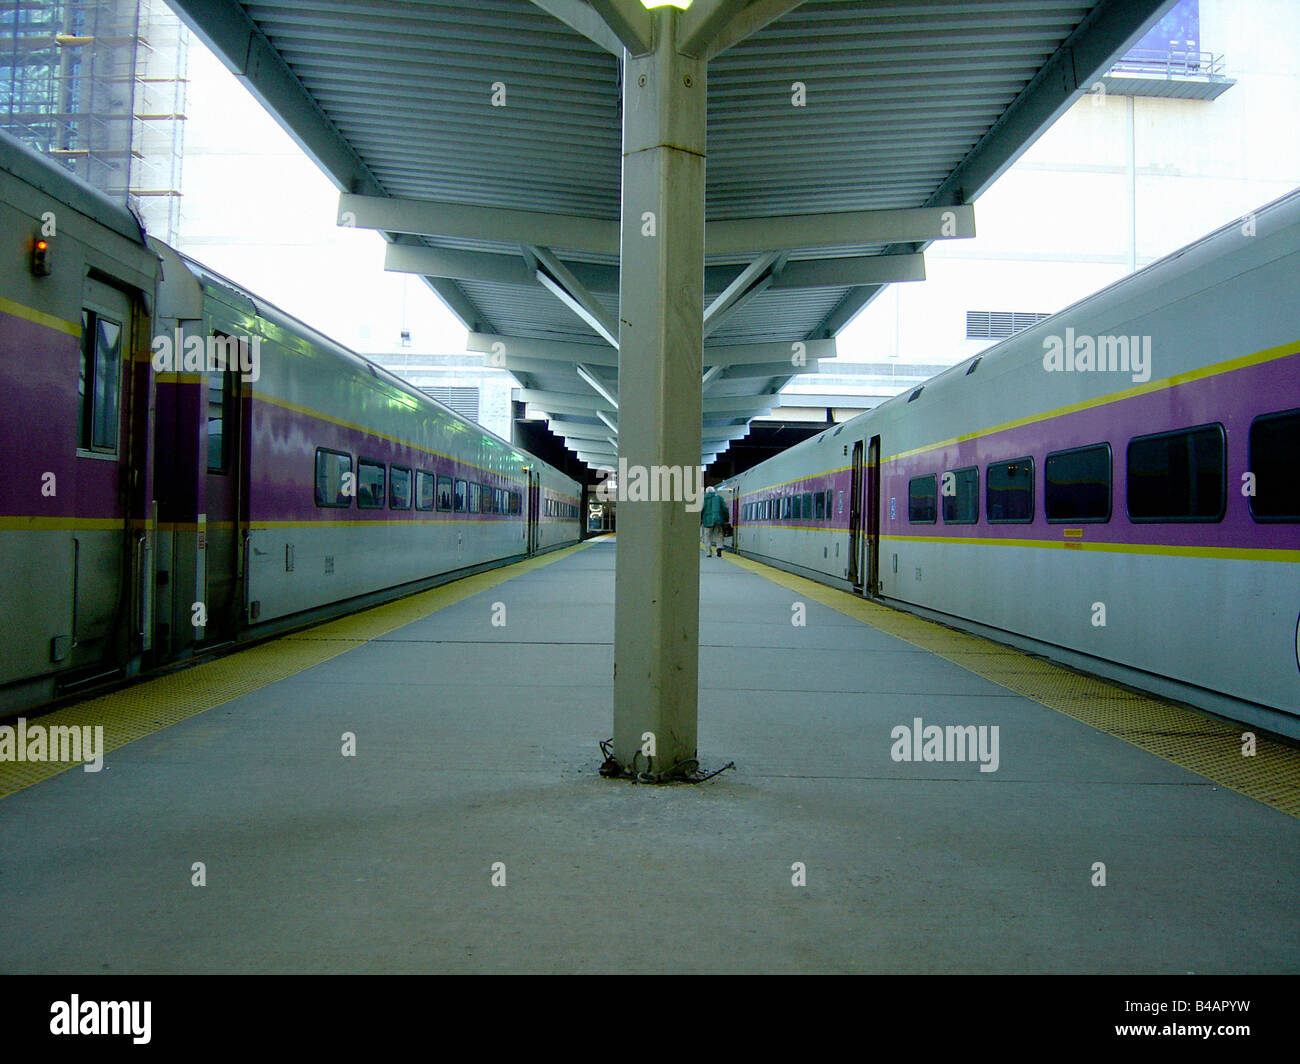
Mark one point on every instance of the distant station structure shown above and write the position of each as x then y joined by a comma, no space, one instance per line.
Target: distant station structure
654,216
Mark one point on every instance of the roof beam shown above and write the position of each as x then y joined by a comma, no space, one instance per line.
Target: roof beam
553,274
712,26
548,350
839,228
511,269
753,279
465,222
582,17
737,236
598,386
630,22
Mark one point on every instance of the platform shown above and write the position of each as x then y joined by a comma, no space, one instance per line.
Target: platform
477,743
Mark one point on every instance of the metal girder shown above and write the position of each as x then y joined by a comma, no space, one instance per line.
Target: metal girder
462,221
570,402
597,385
1110,28
511,269
607,420
554,275
560,351
733,237
712,26
751,370
794,354
573,430
581,16
754,278
839,228
630,22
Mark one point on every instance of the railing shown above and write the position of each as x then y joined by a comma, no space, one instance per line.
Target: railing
1172,63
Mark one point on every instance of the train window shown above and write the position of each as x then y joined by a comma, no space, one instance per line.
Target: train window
796,507
830,504
1009,491
424,484
332,467
1275,461
99,383
444,493
921,495
808,505
485,500
1177,476
1076,484
785,507
961,504
475,497
370,484
459,497
501,501
820,501
221,392
399,488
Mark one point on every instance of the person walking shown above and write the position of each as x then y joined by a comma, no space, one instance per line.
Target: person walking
713,515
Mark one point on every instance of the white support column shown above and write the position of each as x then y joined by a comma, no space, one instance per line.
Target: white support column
657,579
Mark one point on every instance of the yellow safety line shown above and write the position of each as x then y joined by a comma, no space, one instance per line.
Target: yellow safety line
144,708
1202,744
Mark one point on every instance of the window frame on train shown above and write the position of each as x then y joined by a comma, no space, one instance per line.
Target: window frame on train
915,501
393,502
438,495
1048,483
423,476
1286,460
460,495
321,476
967,480
377,502
475,496
1133,487
88,390
1026,460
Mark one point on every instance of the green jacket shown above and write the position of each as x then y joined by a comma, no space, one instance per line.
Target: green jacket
714,511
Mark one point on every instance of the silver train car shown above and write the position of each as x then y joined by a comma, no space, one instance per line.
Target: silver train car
192,467
1117,487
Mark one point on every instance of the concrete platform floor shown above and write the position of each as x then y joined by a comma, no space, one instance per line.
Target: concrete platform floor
478,744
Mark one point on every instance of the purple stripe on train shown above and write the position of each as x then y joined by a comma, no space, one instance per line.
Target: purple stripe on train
1232,399
39,428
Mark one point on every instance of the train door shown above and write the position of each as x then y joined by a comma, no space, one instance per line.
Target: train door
101,555
220,526
534,507
855,520
873,516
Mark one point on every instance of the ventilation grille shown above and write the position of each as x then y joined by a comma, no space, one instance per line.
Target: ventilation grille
462,400
998,324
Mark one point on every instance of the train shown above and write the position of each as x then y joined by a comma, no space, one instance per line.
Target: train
1116,487
188,467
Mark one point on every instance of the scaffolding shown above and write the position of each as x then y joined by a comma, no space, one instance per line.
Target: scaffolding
100,86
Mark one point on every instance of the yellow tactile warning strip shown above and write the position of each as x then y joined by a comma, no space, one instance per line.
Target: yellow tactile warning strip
147,707
1178,734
